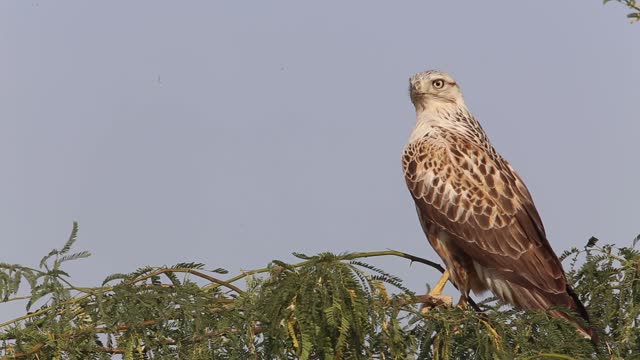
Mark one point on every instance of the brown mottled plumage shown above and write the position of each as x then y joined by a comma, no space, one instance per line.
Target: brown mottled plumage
474,208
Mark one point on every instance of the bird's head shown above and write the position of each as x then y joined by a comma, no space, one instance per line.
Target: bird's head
429,89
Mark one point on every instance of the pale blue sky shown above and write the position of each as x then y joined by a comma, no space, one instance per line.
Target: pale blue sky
233,133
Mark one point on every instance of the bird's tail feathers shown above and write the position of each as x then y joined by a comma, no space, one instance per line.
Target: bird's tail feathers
588,330
533,299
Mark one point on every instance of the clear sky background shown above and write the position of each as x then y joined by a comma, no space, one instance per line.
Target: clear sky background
233,133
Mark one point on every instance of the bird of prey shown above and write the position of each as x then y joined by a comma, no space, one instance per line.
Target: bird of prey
476,211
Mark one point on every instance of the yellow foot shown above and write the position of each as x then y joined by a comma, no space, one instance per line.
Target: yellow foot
434,297
437,290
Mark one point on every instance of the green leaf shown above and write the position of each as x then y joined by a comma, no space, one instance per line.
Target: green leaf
282,264
301,256
72,239
117,276
57,273
220,271
173,278
67,246
80,255
43,262
635,241
188,265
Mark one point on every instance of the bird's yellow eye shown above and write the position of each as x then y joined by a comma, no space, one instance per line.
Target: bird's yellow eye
438,83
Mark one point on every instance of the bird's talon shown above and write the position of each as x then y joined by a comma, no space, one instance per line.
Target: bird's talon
429,301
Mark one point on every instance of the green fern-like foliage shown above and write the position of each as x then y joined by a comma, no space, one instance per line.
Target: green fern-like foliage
326,306
326,309
632,5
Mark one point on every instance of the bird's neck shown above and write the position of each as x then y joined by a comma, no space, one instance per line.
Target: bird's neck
454,118
437,117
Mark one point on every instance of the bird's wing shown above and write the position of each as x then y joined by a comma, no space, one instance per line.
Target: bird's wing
477,197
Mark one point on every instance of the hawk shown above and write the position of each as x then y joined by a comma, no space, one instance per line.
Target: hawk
476,211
